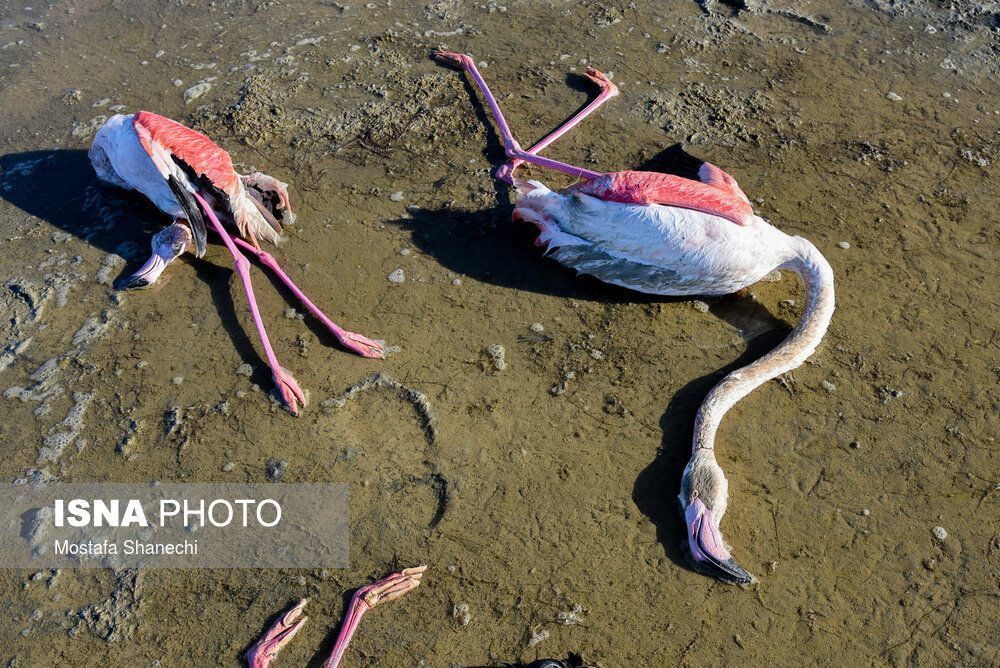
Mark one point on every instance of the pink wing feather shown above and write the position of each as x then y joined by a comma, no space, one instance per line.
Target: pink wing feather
202,154
716,194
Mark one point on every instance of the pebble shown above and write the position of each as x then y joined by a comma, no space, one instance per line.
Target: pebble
178,82
228,466
244,370
397,276
866,512
537,637
397,196
939,533
843,244
404,251
177,380
700,306
499,356
895,97
276,469
457,281
597,354
828,386
574,616
461,613
537,328
196,91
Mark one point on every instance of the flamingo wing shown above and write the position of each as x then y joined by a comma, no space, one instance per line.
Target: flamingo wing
675,160
687,183
188,159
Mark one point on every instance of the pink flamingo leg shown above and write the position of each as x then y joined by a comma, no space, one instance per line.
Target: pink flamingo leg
512,148
265,649
608,91
287,386
367,598
362,345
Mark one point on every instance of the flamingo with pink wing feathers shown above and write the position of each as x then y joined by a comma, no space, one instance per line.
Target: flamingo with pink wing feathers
690,232
189,177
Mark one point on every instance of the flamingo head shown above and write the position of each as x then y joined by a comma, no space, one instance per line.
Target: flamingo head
703,497
168,244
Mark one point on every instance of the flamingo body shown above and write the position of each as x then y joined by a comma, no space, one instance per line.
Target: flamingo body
652,248
191,179
688,231
143,151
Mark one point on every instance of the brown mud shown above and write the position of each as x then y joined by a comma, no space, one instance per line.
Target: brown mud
870,128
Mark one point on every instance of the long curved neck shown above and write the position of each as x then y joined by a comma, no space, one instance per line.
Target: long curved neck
817,276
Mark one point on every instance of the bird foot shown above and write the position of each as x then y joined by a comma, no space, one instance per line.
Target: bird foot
265,649
391,587
289,390
602,80
361,345
456,59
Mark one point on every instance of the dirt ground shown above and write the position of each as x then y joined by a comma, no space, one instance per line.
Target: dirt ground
870,127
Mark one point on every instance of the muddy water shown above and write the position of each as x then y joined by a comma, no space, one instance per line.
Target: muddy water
870,128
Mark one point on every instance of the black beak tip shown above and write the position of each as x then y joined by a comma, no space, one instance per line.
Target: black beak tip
132,283
727,571
737,574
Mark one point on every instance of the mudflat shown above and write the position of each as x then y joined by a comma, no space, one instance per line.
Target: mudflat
542,495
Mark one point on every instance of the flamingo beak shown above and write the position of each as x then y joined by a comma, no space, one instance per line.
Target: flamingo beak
708,551
146,275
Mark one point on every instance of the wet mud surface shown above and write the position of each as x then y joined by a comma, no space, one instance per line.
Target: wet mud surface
541,494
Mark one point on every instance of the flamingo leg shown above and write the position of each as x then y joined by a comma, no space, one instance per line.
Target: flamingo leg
279,635
286,385
511,147
362,345
608,91
367,598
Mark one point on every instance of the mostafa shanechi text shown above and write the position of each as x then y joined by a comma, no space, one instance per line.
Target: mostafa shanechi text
174,525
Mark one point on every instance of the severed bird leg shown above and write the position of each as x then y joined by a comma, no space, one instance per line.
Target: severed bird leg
362,345
286,385
511,147
608,91
367,598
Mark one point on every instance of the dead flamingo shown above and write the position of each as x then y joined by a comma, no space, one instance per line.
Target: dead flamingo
364,599
188,177
691,232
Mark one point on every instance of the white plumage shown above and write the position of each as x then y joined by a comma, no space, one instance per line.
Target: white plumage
653,248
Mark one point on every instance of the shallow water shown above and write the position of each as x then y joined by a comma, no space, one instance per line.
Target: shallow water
872,123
